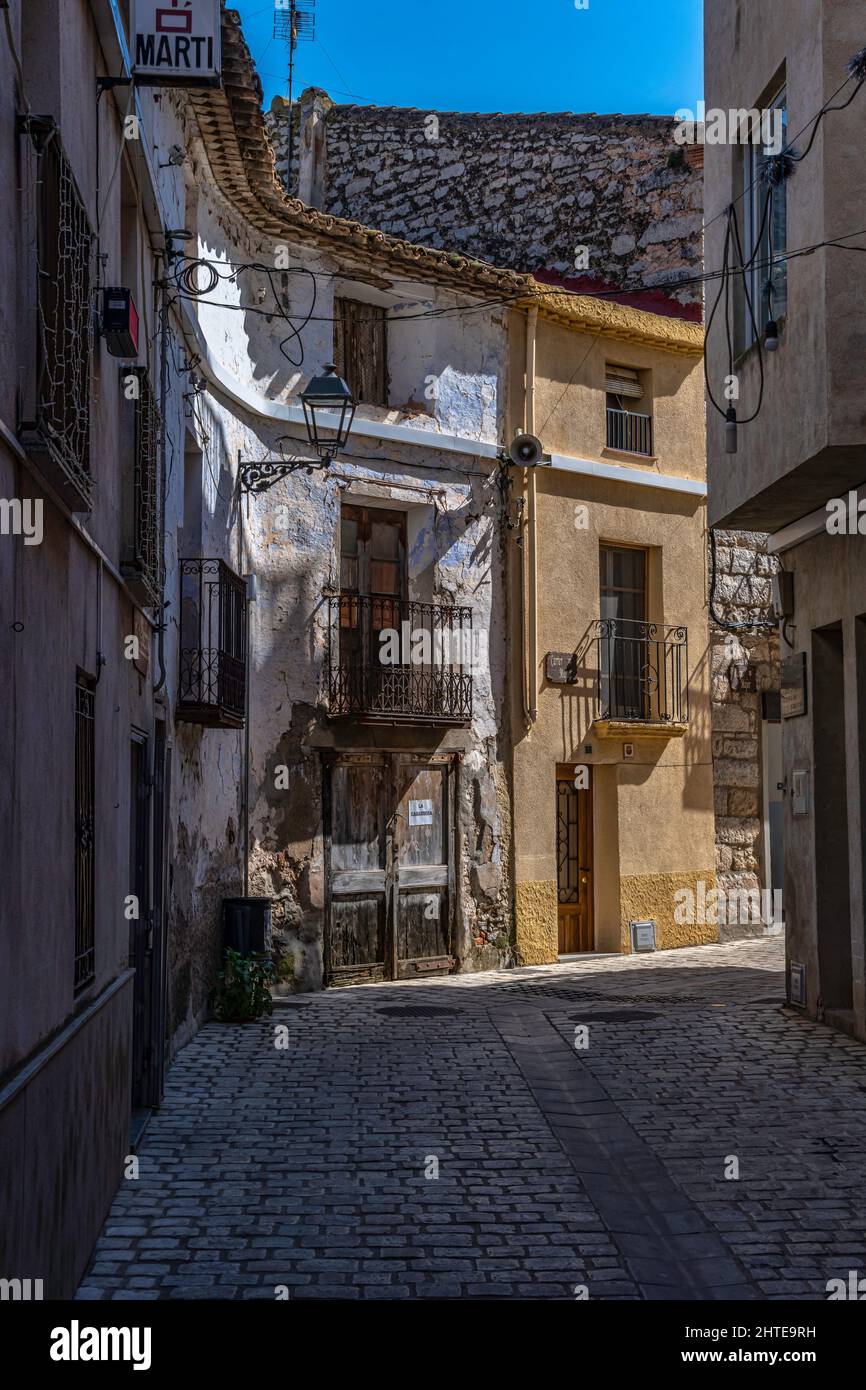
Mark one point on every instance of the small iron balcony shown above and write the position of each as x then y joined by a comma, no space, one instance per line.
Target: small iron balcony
628,432
213,642
643,672
398,660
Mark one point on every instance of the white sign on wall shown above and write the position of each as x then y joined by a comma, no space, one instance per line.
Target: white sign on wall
176,42
420,812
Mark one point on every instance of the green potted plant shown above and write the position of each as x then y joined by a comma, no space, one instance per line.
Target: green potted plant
243,991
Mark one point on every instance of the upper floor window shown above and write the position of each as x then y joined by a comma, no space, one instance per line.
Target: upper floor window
360,349
55,410
629,415
765,240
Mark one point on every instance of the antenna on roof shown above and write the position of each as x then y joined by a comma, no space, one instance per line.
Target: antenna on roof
292,23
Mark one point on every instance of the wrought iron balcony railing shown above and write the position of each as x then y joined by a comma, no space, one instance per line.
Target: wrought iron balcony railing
643,672
629,432
399,660
213,642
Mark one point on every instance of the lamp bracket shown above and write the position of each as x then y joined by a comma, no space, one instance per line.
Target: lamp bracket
262,475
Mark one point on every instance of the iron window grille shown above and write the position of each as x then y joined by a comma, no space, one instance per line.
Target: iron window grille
431,682
143,551
628,431
55,415
85,778
213,642
643,672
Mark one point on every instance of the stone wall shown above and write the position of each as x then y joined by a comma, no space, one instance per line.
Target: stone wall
598,200
745,663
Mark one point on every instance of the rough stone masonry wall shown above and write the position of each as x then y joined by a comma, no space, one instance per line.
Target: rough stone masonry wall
744,663
520,191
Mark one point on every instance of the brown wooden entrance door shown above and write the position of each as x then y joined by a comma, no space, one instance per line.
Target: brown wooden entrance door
389,867
574,864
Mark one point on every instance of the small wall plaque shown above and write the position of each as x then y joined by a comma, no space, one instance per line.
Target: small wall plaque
643,936
794,685
420,812
797,986
560,668
628,750
141,629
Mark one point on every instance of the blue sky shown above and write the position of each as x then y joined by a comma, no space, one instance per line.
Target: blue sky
492,55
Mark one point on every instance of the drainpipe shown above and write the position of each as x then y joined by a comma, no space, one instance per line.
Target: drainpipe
163,482
249,600
531,520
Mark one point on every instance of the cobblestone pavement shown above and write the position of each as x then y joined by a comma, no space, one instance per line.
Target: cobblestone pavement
446,1138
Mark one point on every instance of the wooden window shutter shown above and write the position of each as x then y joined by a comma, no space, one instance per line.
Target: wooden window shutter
360,349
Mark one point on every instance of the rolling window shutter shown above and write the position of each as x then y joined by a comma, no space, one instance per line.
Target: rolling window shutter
623,381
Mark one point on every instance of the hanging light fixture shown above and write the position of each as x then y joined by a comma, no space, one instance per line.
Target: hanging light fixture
329,409
771,335
730,430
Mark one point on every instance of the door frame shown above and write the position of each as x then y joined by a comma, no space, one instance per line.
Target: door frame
390,758
565,773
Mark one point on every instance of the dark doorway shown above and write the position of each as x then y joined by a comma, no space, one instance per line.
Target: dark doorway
832,884
390,875
140,923
625,679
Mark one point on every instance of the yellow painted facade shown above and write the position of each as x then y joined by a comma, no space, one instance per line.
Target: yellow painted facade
652,825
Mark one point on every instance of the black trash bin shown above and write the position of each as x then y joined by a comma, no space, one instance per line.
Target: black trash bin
247,925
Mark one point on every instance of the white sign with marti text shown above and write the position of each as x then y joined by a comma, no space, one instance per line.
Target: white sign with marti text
176,42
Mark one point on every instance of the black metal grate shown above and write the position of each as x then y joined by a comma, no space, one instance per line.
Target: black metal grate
84,833
416,1011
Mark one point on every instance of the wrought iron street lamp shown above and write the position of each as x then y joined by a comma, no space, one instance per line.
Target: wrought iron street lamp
330,406
329,409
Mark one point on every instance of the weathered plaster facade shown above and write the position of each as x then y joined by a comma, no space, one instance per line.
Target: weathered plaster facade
521,191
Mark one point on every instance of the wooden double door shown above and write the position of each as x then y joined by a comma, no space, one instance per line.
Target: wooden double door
389,860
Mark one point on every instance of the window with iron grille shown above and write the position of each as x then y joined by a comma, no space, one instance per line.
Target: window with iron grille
56,408
629,428
361,349
143,547
84,832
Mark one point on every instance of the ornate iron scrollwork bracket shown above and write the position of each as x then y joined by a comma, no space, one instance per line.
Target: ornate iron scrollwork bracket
262,476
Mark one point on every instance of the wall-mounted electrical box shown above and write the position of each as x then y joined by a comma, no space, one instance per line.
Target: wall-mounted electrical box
643,936
797,984
783,594
120,322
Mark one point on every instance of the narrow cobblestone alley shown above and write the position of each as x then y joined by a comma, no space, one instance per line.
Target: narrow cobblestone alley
447,1139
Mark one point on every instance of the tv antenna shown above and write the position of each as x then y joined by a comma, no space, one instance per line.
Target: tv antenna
291,24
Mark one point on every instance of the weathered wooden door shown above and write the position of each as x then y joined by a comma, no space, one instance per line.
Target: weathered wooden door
422,860
574,865
358,868
389,867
